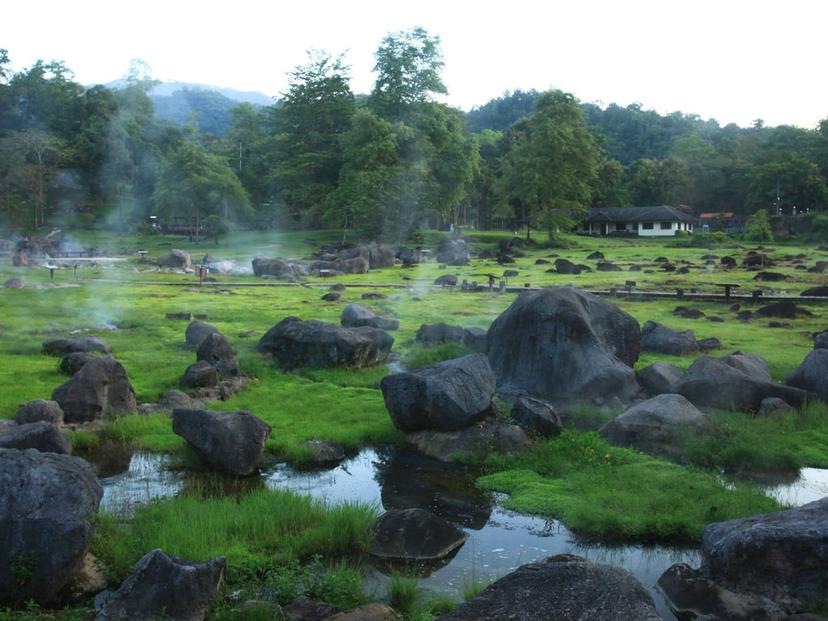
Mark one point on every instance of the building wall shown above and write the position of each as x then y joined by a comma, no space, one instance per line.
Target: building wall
638,227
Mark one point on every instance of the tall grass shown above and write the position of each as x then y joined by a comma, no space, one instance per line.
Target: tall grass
403,594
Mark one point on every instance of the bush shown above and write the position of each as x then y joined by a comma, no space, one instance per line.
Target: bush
758,227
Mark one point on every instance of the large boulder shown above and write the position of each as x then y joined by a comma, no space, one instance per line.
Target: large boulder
278,268
39,410
179,259
414,535
197,331
216,350
231,442
446,396
812,374
380,257
659,338
564,346
356,316
564,588
47,502
62,347
659,378
453,251
357,265
436,333
819,292
163,586
41,436
737,381
565,266
295,343
202,374
72,363
658,425
100,387
783,310
491,436
536,416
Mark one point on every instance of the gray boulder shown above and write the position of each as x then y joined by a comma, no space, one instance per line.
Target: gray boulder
357,265
812,374
200,375
437,333
736,381
564,588
658,425
39,410
821,340
279,268
446,396
356,316
536,416
163,586
659,378
295,344
414,535
197,331
453,251
772,406
100,387
229,441
41,436
179,259
72,363
490,436
216,350
62,347
446,280
710,343
564,346
659,338
565,266
47,502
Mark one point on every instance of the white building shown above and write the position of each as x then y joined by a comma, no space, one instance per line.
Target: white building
645,221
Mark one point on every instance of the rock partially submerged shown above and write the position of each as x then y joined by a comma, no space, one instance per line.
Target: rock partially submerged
494,435
414,535
163,586
100,387
47,502
563,588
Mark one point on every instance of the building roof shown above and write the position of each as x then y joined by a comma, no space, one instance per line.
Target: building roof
660,213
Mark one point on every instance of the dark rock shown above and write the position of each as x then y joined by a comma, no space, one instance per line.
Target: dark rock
563,588
62,347
436,333
564,346
658,425
735,308
709,344
770,277
536,416
324,452
453,252
821,340
13,283
596,256
659,378
278,268
216,350
564,266
737,381
783,310
197,331
47,502
39,410
446,280
779,324
229,441
373,296
356,316
491,436
820,292
296,344
773,406
357,265
744,316
41,436
661,339
303,609
687,313
510,274
179,259
380,257
72,363
173,399
504,259
368,612
475,339
331,297
608,267
757,260
163,586
635,268
661,260
715,318
414,535
819,267
811,375
541,262
446,396
728,262
200,375
337,287
101,387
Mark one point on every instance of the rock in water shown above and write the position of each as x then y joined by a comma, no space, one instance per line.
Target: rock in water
197,331
41,436
39,410
63,347
100,387
446,396
490,436
46,504
812,374
356,316
657,425
229,441
295,344
216,350
563,588
163,586
564,346
663,340
414,535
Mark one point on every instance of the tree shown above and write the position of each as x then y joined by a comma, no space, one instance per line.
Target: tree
408,64
550,167
758,227
42,151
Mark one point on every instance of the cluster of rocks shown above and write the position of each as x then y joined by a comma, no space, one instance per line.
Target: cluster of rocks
216,373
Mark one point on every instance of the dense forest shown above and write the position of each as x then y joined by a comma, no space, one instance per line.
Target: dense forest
383,164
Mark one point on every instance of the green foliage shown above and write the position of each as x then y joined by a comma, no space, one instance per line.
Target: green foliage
338,584
403,594
758,227
423,356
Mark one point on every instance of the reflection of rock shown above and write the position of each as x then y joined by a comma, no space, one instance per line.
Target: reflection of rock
493,435
410,480
110,457
414,535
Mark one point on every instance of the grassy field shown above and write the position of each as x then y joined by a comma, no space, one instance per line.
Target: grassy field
597,490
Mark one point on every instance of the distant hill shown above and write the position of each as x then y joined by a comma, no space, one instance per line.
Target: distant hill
166,89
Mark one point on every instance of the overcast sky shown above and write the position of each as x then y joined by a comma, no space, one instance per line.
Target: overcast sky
732,60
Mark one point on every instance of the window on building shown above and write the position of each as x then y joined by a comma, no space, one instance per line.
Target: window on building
666,226
620,226
647,226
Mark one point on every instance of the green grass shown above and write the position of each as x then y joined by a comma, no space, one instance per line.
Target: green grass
403,594
257,532
600,491
423,356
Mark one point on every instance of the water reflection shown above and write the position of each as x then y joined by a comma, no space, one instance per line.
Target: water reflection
811,485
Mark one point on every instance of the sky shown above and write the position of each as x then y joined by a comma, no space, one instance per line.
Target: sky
732,60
